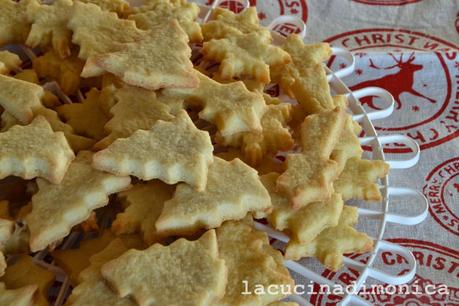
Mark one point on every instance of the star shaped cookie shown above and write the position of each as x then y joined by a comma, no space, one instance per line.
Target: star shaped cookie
231,107
310,174
248,55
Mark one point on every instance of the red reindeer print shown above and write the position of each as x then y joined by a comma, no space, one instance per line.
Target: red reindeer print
397,83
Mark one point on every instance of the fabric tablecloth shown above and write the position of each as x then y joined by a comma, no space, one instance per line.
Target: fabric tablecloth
410,48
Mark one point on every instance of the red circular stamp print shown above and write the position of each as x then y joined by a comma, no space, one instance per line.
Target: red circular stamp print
435,282
387,2
442,191
424,85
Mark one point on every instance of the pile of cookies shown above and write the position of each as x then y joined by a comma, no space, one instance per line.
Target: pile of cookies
151,137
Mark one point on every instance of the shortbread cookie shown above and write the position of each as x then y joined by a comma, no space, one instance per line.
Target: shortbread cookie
302,224
305,78
267,165
248,55
231,107
274,137
120,7
304,56
331,245
56,208
348,145
93,291
250,258
310,174
173,152
73,261
20,98
320,133
86,118
187,6
97,31
358,179
49,25
34,151
270,164
224,24
66,72
161,59
18,297
153,13
184,272
307,179
9,62
233,190
13,22
342,101
29,75
134,109
76,142
23,271
143,204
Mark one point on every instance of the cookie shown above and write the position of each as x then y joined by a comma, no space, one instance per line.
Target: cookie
160,59
250,259
9,62
57,208
135,109
231,107
153,13
143,204
93,291
20,98
248,55
155,154
184,272
23,271
224,24
19,297
233,189
49,25
86,118
331,245
310,174
358,179
34,150
13,22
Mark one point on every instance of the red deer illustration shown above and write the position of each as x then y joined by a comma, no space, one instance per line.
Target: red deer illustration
396,83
